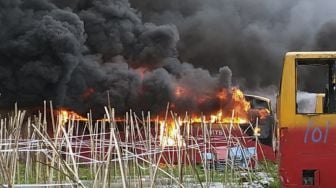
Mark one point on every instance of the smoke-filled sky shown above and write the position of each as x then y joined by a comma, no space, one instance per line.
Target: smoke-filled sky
250,37
146,53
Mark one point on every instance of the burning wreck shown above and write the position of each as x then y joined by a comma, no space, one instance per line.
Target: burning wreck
261,114
246,121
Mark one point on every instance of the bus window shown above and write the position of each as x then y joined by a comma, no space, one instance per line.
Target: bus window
312,82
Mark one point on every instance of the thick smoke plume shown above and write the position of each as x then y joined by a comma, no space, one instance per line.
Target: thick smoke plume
75,52
250,37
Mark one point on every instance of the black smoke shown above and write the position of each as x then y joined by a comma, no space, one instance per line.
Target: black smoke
250,37
150,52
75,52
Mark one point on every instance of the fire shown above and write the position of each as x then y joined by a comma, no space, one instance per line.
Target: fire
234,108
66,115
262,113
222,94
220,118
239,99
216,117
170,134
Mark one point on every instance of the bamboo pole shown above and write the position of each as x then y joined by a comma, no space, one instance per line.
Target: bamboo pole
110,117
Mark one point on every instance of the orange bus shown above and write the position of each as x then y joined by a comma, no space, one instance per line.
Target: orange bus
306,118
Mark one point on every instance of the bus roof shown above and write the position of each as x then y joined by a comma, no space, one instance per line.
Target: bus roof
258,97
315,54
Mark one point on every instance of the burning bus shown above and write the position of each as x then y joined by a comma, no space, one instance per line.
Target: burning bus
261,111
242,123
247,129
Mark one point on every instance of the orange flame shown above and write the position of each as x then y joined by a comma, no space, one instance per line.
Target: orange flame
170,134
222,94
239,99
220,118
259,113
66,115
235,109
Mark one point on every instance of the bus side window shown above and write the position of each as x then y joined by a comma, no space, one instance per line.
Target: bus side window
311,91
